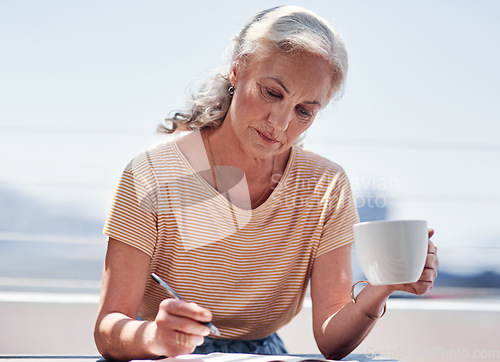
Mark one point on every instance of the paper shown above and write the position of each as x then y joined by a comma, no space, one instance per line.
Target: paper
242,357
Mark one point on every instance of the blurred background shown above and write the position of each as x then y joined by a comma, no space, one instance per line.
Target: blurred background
84,84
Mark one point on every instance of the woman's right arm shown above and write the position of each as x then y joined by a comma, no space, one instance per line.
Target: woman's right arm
118,335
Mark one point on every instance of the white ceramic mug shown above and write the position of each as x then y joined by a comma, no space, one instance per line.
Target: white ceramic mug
391,252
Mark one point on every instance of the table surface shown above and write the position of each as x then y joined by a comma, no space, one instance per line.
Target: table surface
82,358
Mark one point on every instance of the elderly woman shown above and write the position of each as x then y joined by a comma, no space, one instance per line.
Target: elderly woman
236,217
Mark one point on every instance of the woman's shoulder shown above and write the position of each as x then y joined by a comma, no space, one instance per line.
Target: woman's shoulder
309,161
161,149
148,160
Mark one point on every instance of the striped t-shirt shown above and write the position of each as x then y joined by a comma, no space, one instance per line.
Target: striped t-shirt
249,267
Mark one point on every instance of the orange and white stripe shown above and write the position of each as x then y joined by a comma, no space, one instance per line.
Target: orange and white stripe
249,267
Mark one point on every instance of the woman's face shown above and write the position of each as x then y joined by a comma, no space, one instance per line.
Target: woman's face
276,100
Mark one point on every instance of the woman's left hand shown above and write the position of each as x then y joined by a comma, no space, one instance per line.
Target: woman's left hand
426,280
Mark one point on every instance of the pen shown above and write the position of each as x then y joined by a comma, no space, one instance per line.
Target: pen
172,292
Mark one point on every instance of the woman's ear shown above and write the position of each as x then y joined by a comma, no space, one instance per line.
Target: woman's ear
234,71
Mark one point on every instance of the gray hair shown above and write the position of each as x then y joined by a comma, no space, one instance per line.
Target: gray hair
288,29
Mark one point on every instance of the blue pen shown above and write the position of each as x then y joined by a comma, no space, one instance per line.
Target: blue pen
172,292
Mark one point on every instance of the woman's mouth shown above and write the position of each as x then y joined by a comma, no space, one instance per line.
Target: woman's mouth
267,138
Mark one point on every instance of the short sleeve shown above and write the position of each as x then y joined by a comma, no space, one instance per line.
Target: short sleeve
132,218
341,215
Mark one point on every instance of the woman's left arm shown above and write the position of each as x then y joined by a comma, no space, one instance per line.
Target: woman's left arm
340,325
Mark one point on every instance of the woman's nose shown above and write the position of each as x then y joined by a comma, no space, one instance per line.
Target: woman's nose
280,117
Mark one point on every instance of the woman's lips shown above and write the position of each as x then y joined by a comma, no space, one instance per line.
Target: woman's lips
266,138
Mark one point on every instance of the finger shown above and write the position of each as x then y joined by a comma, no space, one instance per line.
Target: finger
428,275
423,287
185,309
173,337
170,317
168,323
431,261
418,288
188,340
432,248
184,343
430,232
180,343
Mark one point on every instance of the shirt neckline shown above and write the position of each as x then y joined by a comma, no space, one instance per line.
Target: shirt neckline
211,189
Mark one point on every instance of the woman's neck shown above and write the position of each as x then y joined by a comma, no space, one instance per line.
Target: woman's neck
224,150
262,174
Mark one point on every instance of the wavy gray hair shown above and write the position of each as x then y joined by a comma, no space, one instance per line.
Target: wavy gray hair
288,29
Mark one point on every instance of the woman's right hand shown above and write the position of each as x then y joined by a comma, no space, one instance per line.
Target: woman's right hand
119,335
178,328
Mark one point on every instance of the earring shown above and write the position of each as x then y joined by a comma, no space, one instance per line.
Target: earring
231,90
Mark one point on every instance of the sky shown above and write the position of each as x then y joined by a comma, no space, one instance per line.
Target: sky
83,85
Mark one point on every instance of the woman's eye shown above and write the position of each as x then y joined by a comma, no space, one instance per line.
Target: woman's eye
273,94
304,113
269,93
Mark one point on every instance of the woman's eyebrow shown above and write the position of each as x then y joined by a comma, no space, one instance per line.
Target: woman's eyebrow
280,83
314,103
288,92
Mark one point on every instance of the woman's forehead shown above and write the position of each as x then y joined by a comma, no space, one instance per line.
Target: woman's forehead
294,72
